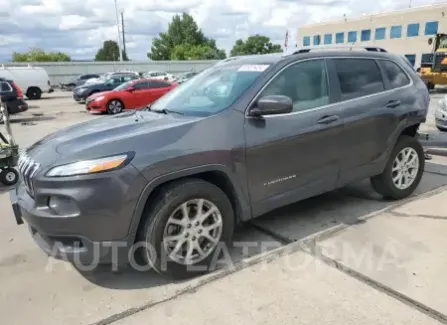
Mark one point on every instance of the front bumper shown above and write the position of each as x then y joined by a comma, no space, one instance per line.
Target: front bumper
441,118
80,97
95,106
89,220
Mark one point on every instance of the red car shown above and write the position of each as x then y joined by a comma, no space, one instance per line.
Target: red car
130,95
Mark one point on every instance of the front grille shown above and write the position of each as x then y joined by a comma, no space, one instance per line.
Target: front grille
27,169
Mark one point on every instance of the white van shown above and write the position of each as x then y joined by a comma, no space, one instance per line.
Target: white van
33,81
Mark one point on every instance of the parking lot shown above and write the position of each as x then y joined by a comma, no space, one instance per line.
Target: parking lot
345,257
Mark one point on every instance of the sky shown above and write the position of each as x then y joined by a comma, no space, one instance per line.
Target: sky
78,27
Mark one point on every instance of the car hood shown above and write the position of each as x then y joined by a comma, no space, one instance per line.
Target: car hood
96,135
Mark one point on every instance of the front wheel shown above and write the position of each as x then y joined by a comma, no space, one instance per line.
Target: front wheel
9,176
403,171
115,106
187,229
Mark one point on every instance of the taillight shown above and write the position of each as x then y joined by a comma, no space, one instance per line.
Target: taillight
18,90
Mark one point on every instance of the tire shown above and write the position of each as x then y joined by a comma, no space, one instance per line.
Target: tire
9,176
441,129
154,227
430,86
384,184
115,106
34,93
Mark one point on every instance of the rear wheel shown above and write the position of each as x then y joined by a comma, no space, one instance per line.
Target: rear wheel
403,171
115,106
430,86
185,227
34,93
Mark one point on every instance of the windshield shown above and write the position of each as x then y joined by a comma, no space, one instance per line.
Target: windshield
211,91
124,86
443,42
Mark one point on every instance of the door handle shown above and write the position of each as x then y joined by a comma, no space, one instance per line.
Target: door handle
328,119
393,103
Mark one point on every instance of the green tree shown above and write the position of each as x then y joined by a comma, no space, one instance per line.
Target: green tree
196,52
39,55
256,44
110,52
184,40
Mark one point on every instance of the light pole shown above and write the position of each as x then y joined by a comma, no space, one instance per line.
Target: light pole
118,28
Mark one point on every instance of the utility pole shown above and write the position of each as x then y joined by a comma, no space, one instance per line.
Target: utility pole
122,30
118,28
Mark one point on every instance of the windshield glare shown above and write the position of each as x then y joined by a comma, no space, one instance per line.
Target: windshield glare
210,91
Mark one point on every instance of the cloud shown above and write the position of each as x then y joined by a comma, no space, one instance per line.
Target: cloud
80,27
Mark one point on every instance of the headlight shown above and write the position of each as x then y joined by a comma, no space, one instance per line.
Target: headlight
90,166
442,105
98,98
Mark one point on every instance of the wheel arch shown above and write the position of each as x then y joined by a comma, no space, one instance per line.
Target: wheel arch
410,129
218,175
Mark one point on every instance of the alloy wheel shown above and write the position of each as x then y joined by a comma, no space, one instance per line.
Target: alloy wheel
115,106
193,231
405,168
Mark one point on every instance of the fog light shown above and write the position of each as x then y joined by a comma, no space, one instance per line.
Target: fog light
63,206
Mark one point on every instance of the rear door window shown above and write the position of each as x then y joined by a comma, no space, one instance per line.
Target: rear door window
397,77
141,85
358,77
158,84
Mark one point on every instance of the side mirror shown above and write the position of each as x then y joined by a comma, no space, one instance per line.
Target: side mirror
131,89
430,41
271,105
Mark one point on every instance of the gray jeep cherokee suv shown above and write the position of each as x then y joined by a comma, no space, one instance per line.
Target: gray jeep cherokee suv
240,139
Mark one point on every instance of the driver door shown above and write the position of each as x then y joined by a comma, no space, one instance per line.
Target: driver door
294,156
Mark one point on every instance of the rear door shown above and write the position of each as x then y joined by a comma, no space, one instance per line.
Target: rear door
158,88
140,94
368,114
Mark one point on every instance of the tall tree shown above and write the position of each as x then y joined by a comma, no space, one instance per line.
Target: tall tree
110,52
184,40
256,44
39,55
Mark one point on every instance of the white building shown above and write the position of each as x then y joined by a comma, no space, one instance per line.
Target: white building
404,31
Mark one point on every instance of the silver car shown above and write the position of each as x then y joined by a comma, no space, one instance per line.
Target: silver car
441,115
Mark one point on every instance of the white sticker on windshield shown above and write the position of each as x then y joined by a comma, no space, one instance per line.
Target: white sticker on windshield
254,67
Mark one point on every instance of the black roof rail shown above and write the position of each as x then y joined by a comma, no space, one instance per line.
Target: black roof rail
341,47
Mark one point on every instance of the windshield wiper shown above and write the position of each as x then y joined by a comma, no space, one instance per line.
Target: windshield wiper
166,111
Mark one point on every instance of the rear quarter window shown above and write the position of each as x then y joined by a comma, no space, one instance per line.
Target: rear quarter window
397,77
5,87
